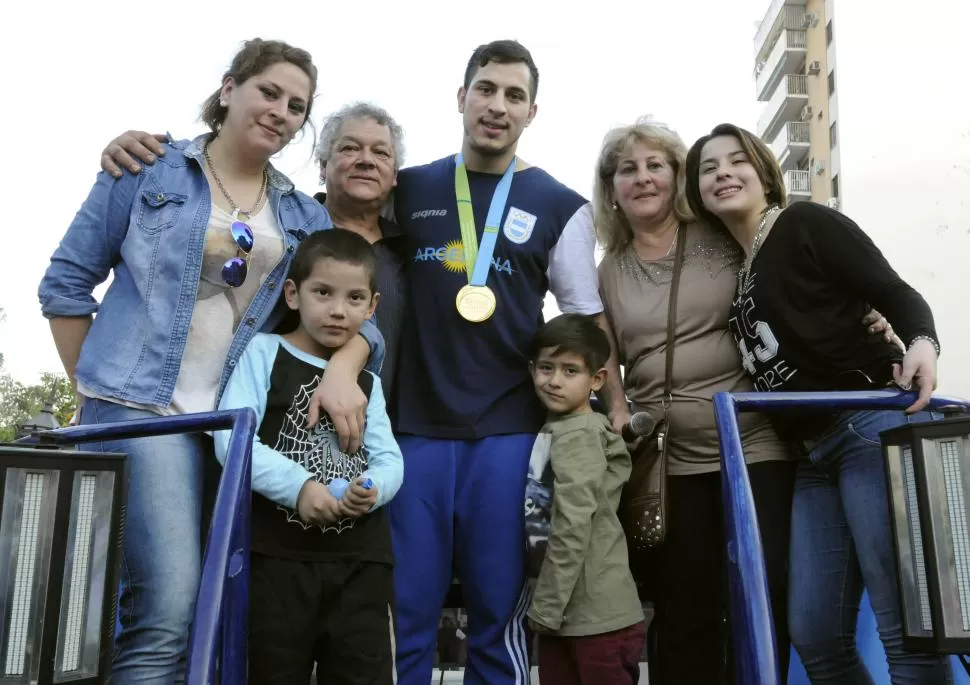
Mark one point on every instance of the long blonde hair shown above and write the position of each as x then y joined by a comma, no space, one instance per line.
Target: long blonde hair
612,227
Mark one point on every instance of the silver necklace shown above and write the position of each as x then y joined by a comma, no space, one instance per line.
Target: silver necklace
745,271
670,249
672,242
235,208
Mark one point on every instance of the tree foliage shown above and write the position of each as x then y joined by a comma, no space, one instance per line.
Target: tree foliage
19,402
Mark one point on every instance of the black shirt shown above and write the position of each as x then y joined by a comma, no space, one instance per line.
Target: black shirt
278,531
798,323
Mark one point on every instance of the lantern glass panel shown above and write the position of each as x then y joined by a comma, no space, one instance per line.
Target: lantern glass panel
86,560
26,534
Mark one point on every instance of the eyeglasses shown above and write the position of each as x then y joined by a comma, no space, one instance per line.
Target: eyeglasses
235,270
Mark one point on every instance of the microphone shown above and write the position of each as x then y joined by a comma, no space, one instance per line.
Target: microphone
639,425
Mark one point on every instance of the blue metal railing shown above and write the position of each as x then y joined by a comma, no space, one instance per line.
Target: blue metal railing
754,640
220,625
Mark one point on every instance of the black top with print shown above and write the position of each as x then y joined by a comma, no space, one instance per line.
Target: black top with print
277,530
798,323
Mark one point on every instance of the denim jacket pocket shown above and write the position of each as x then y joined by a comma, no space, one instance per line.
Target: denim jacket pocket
159,210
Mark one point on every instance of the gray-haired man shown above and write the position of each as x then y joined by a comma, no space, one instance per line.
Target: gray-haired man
360,152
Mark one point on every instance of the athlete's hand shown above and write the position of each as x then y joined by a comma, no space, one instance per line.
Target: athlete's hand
340,397
316,505
538,628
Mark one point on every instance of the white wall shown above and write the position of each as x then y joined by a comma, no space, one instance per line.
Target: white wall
904,138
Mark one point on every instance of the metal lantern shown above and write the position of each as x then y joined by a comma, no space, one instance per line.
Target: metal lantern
928,467
44,420
61,530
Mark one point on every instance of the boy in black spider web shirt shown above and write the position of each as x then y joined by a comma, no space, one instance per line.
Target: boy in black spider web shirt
321,586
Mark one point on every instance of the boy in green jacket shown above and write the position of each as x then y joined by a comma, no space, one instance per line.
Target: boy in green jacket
585,607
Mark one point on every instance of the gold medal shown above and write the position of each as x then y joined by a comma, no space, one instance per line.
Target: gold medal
475,303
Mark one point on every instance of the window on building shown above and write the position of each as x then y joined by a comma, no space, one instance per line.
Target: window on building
828,33
831,82
833,135
835,186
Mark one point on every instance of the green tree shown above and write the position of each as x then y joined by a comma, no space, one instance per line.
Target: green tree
19,402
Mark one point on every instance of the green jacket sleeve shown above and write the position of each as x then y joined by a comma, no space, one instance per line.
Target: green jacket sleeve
579,466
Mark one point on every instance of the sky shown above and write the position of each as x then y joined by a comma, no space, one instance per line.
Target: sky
149,67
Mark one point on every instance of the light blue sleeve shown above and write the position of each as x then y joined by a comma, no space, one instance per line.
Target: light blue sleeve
385,463
274,476
374,338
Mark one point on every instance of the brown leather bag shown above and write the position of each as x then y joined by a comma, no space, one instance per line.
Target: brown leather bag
644,500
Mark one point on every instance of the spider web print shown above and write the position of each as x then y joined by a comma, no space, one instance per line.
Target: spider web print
318,451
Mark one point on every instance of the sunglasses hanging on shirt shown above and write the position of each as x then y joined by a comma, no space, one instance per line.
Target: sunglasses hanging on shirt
235,270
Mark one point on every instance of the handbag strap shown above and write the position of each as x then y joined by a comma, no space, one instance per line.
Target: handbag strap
672,317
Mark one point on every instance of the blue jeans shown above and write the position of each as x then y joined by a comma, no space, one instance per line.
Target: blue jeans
841,542
160,564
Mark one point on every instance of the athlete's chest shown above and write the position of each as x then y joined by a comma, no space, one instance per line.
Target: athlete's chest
526,234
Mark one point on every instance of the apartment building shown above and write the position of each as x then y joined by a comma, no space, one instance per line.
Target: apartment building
795,77
884,135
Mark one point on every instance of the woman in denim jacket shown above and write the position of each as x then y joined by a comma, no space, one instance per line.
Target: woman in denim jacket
199,245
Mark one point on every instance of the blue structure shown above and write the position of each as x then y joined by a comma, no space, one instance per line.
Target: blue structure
220,625
219,634
750,606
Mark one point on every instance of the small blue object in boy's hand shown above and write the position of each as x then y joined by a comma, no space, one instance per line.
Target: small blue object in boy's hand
367,484
337,487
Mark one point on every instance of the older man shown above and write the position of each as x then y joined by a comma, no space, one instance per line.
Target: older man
360,151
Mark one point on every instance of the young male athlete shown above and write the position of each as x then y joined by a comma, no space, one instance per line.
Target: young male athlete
492,235
467,413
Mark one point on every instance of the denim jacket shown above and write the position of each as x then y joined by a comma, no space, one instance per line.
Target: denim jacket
150,229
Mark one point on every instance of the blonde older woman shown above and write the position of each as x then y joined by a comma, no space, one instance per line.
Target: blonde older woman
641,212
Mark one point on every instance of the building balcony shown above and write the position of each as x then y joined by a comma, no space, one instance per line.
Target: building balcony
798,183
786,56
781,14
791,144
786,104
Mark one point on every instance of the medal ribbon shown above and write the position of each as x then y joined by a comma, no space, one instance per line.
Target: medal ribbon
478,259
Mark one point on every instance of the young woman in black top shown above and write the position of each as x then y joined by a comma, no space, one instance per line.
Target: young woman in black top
809,275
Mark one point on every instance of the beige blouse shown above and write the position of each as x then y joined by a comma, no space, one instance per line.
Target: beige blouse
635,295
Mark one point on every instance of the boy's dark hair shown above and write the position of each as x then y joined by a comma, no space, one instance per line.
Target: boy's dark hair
503,52
338,244
576,334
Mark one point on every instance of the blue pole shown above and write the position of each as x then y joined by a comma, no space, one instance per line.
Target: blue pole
220,611
751,625
235,618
